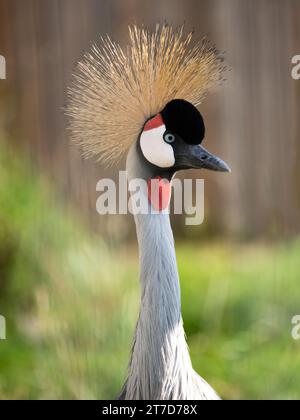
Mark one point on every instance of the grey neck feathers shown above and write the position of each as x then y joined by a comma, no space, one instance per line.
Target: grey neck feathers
160,366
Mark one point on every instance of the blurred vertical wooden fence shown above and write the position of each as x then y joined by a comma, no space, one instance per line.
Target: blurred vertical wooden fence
252,120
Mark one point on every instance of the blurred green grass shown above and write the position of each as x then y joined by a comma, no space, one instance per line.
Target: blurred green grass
71,303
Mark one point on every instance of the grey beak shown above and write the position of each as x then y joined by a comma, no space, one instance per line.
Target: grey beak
206,160
195,156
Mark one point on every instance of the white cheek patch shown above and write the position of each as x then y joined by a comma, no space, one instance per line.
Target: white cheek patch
155,149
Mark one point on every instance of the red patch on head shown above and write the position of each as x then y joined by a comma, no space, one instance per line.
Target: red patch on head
155,122
159,193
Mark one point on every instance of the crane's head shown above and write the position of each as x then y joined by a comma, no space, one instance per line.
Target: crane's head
143,100
171,141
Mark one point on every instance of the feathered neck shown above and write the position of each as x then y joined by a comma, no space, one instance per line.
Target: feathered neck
160,366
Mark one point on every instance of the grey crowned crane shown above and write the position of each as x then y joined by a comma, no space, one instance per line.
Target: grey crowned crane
142,101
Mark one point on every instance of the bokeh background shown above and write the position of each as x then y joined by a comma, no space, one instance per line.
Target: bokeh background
69,278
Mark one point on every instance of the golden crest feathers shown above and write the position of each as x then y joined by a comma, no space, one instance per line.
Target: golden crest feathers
115,91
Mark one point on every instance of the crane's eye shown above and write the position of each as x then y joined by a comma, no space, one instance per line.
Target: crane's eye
169,137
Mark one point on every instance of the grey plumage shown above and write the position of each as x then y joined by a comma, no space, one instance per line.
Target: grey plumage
160,366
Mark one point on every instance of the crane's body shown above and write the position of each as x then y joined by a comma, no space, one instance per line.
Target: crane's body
160,366
157,123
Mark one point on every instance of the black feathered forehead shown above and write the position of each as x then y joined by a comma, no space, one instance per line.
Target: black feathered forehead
184,119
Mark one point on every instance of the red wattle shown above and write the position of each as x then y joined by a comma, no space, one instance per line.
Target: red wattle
159,193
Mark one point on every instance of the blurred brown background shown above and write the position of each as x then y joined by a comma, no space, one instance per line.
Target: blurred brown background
252,120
